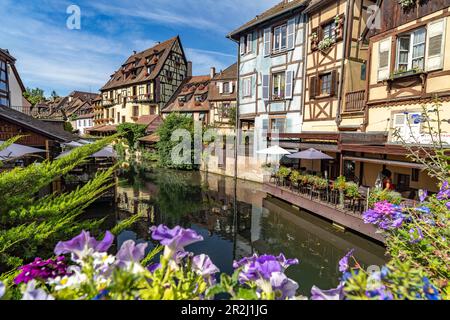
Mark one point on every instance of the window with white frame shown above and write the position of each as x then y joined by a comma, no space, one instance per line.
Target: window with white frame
278,85
406,127
280,38
246,44
247,87
411,50
226,87
328,31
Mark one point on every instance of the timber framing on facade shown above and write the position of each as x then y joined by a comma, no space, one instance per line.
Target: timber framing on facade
270,68
144,83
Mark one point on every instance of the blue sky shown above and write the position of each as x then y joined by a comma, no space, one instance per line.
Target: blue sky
53,57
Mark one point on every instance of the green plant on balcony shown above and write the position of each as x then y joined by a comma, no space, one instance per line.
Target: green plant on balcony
340,184
295,176
407,4
319,183
352,190
325,44
283,173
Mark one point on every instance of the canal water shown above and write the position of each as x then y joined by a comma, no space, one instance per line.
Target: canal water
261,224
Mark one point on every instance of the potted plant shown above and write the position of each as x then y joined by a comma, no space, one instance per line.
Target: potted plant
283,173
352,190
340,184
314,41
378,195
295,177
339,22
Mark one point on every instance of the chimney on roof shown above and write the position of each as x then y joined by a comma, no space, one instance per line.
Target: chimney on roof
134,52
213,72
189,69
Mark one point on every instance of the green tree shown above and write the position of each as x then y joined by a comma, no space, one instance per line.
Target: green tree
132,132
34,96
68,127
165,146
30,225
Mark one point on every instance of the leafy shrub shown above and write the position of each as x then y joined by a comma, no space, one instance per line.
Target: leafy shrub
378,195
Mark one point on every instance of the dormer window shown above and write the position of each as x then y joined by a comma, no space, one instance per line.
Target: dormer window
226,87
182,99
246,44
198,98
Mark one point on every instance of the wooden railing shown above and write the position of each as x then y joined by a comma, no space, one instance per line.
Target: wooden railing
354,101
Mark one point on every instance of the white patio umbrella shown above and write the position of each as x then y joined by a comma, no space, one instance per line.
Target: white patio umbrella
273,151
107,152
17,150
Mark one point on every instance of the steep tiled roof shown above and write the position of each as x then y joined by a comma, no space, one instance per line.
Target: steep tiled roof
229,74
134,70
190,88
280,8
35,124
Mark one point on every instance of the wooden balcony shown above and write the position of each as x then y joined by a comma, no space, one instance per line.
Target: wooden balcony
355,101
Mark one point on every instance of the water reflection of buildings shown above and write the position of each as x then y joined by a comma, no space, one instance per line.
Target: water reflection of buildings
258,224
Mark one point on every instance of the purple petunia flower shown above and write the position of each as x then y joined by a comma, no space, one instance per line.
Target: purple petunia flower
42,270
262,267
130,252
385,215
174,239
423,194
333,294
31,293
343,263
448,205
283,287
203,265
444,192
84,244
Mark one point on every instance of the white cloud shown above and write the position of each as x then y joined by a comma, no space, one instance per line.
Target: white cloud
52,57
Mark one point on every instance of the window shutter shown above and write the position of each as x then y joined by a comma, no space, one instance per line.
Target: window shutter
220,87
242,45
313,87
291,34
384,58
249,42
231,87
267,41
435,45
265,86
334,83
289,84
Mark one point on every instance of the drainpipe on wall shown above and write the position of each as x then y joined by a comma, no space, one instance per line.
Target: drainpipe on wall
344,58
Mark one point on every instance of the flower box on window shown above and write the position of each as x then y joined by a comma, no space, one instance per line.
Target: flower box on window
406,73
325,44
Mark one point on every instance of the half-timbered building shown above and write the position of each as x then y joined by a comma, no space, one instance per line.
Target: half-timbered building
408,69
271,59
144,84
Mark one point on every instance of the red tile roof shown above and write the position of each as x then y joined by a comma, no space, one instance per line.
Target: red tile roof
134,70
190,88
282,7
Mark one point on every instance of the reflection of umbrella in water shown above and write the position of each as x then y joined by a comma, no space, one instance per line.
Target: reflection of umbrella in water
107,152
17,150
310,154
